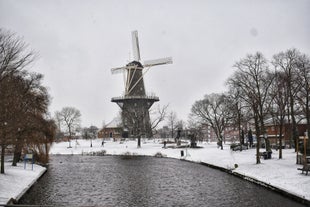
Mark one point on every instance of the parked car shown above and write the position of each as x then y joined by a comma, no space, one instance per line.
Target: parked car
238,146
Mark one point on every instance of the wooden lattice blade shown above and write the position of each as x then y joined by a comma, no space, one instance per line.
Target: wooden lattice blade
160,61
135,45
118,70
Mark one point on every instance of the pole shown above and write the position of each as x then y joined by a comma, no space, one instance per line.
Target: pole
305,151
297,143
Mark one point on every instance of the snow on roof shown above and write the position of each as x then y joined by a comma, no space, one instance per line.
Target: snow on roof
300,119
115,123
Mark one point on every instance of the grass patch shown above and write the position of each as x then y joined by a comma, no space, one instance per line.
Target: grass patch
99,153
159,155
127,155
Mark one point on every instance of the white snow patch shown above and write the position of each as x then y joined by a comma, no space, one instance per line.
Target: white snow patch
17,180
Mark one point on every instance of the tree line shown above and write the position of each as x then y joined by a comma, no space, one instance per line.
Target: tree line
260,89
25,124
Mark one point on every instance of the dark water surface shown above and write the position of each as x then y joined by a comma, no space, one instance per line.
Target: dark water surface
144,181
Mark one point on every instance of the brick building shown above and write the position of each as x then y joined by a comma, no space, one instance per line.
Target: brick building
113,129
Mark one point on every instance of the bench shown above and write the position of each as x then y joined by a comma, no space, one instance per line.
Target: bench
305,168
265,155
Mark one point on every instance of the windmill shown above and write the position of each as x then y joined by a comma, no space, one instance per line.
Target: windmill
135,103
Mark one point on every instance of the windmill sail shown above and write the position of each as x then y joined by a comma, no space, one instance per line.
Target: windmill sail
135,45
160,61
117,70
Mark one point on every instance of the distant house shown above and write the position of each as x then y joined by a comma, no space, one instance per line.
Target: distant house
113,129
273,130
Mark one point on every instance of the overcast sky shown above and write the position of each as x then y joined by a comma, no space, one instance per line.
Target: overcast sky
78,42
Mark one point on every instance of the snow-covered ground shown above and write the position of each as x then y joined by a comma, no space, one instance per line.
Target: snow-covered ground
17,180
282,174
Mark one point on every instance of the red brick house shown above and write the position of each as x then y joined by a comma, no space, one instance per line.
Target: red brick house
273,130
113,129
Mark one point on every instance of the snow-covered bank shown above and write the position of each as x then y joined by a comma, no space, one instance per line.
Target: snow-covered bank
282,174
17,180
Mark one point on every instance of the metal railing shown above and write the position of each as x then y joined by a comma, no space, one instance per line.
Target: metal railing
135,97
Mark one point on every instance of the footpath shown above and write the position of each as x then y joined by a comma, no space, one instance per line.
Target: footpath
278,174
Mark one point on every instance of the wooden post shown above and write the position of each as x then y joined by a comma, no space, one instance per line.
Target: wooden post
297,143
305,150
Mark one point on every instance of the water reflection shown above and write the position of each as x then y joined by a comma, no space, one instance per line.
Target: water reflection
144,181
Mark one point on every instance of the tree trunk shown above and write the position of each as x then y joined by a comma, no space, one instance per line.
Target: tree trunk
221,144
280,139
69,137
257,140
46,151
2,158
280,149
294,135
17,154
139,141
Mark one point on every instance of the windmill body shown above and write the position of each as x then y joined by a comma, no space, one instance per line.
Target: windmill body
135,103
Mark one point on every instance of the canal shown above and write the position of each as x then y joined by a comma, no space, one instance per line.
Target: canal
144,181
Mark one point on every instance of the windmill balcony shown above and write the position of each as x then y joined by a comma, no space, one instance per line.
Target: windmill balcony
146,97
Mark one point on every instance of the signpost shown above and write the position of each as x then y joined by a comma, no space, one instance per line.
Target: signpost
28,157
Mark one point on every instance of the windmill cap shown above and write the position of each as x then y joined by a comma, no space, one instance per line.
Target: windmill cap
135,63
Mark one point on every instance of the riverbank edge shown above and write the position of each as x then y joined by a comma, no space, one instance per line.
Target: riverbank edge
258,182
236,174
15,200
229,171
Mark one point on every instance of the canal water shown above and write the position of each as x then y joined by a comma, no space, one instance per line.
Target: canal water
144,181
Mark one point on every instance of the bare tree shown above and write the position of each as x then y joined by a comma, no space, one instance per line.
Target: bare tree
90,133
58,122
278,109
14,54
14,57
172,120
303,96
70,118
24,103
253,80
40,137
287,62
158,115
238,110
212,110
30,106
196,128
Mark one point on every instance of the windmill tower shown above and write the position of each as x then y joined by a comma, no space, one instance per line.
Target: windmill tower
135,103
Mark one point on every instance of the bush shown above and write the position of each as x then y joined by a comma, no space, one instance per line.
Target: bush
99,153
159,155
127,155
